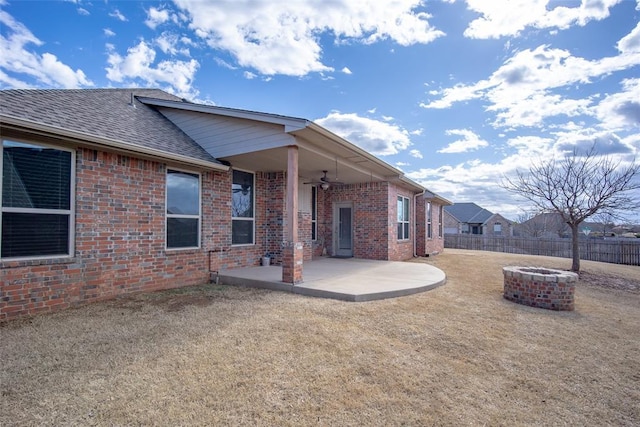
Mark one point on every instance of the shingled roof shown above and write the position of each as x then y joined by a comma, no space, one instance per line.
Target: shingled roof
469,213
103,113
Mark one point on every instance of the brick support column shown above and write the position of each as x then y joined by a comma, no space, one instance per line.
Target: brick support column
292,252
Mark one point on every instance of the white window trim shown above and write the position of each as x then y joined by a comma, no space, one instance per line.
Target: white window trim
440,220
72,201
403,221
168,215
314,212
253,203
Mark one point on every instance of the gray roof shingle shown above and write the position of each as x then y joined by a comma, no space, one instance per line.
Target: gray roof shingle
104,113
469,213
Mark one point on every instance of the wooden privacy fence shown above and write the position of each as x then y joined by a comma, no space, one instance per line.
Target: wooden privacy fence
615,251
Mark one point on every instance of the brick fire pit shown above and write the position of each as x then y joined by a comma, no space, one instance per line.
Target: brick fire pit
540,287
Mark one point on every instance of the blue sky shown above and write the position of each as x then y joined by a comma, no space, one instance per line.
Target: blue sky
456,93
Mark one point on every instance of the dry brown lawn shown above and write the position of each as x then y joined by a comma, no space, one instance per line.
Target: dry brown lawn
214,355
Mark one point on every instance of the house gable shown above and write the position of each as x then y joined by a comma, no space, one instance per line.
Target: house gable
224,136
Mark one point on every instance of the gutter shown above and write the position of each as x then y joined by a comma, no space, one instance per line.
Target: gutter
415,223
82,137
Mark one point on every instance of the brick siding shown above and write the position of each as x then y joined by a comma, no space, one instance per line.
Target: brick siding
120,237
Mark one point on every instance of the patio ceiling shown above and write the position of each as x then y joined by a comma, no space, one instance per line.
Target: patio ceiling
318,153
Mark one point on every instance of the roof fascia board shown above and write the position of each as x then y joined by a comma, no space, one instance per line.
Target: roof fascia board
291,124
355,149
409,182
26,125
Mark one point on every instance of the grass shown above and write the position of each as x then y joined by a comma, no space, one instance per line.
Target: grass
215,355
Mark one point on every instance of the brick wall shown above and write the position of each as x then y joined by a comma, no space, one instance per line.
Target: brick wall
119,242
120,237
270,204
428,245
374,222
370,222
399,250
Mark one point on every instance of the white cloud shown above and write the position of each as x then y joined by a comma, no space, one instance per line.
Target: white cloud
346,70
138,64
249,75
621,110
83,12
480,181
16,59
170,44
631,42
108,32
509,17
470,141
11,82
604,142
283,37
377,137
415,153
156,17
520,91
221,62
118,15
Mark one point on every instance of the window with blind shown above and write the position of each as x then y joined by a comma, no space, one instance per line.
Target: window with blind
37,201
183,210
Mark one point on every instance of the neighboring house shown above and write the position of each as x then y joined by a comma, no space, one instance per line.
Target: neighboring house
110,191
545,224
469,218
551,225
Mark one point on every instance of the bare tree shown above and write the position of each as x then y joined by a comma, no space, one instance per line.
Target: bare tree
577,187
605,222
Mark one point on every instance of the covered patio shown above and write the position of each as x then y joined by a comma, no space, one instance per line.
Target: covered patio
346,279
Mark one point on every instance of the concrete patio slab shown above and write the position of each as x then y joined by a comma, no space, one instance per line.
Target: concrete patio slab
347,279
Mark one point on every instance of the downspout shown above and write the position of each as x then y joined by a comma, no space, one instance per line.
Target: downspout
415,223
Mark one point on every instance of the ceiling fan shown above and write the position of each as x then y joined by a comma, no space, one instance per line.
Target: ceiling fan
324,182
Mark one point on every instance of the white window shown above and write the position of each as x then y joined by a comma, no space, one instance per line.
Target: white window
314,213
37,201
440,216
403,218
242,208
497,228
183,210
429,220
